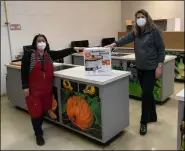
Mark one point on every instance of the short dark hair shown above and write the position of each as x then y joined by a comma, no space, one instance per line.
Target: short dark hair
149,22
34,43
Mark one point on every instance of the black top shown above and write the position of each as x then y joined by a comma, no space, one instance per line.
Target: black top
27,62
149,48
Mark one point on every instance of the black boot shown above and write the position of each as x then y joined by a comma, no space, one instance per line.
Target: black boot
152,117
40,140
143,129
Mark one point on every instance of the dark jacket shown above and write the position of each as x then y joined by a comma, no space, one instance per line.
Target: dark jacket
149,48
26,61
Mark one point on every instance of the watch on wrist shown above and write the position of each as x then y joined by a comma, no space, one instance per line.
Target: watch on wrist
160,65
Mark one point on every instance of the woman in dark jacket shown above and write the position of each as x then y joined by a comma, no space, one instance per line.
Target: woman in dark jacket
150,54
37,80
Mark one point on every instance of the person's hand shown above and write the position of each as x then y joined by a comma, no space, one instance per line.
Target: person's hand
26,92
79,49
111,45
158,72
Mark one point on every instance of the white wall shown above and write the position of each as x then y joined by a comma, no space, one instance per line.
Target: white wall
60,21
157,10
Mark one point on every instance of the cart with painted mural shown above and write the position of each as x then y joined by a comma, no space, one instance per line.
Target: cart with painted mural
134,85
179,64
164,86
89,104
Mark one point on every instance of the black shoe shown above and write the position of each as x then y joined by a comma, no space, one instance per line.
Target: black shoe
143,129
152,117
40,140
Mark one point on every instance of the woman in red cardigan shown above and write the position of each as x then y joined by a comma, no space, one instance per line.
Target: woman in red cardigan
37,80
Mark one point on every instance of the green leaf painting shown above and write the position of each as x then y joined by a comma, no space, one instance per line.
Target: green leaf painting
82,95
94,103
96,109
65,93
156,93
179,64
63,107
135,88
183,143
117,67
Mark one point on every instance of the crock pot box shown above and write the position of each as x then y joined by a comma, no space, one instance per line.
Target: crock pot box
97,61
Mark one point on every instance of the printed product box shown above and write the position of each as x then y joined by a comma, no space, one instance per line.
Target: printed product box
97,61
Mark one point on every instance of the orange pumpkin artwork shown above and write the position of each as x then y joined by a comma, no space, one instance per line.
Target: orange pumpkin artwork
54,104
52,114
79,112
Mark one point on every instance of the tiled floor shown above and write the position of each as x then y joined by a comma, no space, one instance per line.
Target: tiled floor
17,134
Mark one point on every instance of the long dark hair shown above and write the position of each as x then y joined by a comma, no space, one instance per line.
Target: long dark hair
149,22
34,43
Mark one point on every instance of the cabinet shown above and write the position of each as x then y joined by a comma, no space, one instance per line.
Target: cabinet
174,24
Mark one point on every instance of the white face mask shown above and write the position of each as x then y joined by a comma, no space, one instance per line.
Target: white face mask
41,45
141,22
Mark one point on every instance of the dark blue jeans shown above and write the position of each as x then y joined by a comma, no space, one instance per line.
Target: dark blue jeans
37,125
147,81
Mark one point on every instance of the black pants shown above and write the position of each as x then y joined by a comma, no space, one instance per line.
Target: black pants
147,81
37,125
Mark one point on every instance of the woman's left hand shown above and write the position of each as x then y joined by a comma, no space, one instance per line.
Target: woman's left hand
78,49
158,72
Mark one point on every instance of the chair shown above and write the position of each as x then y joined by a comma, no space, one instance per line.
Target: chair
82,43
107,41
27,48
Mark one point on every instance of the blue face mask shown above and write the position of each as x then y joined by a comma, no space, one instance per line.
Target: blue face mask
141,22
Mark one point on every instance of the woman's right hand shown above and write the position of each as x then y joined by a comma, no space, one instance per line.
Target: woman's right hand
111,45
26,92
79,49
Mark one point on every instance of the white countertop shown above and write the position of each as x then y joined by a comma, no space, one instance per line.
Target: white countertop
180,96
113,57
175,50
78,54
131,48
13,66
130,56
78,74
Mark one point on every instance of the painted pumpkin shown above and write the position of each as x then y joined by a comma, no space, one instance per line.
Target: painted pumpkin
54,104
79,112
52,114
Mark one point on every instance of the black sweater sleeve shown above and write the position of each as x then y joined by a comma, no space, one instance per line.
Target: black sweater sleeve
126,39
25,66
60,54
